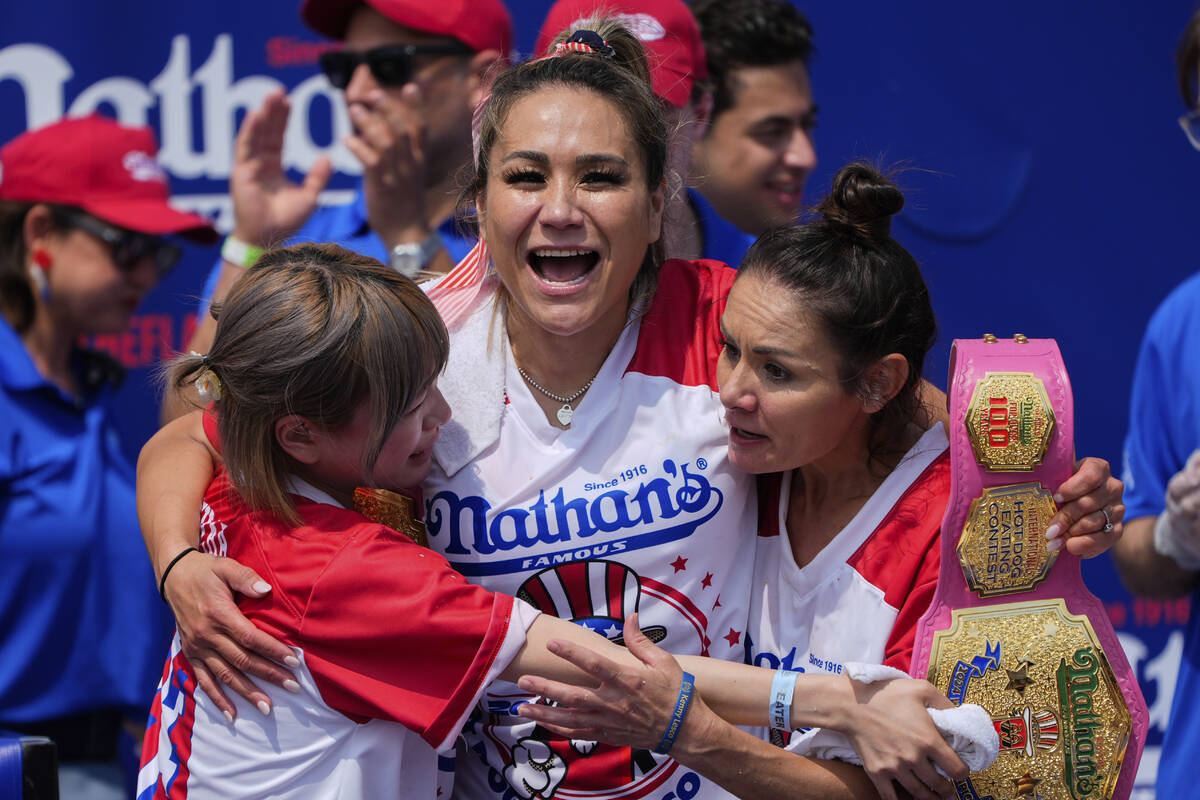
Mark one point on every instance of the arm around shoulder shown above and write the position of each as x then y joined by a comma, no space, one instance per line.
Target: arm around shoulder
173,472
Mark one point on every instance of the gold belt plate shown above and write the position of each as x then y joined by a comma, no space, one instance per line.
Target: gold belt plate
1042,675
1009,421
1002,549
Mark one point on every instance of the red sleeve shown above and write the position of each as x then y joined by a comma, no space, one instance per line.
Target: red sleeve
391,631
903,556
899,649
680,337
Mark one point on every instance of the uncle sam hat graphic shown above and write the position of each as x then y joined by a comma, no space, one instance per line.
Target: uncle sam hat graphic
595,594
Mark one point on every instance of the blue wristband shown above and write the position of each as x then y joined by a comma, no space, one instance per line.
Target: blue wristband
681,708
782,687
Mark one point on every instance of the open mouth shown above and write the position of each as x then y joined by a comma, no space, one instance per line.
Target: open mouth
563,267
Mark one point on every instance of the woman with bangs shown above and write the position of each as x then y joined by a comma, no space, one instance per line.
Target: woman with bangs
586,467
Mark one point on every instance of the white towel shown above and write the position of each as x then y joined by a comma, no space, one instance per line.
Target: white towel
473,384
967,728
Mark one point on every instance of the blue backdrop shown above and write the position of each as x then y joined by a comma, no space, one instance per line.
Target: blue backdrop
1051,192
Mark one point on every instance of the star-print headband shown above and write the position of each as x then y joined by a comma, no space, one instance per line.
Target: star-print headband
454,294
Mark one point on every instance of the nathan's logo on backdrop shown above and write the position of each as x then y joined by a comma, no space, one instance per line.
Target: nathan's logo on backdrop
196,110
662,509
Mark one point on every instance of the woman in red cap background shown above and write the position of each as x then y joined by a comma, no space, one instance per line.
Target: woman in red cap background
83,213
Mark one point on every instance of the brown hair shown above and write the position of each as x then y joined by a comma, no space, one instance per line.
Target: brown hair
863,286
313,330
749,33
622,78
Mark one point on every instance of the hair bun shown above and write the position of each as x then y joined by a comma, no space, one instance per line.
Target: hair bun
864,200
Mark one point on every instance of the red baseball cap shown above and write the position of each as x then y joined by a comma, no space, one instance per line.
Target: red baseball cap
104,168
666,28
479,24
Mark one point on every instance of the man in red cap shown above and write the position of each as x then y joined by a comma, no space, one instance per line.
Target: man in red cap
412,72
679,76
757,153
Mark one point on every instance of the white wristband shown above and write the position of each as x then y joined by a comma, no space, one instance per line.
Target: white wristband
783,685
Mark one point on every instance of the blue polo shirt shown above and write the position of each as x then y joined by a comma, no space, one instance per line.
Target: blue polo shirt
346,225
81,625
722,240
1164,429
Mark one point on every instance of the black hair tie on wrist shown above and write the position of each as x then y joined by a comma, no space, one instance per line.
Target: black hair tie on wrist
162,582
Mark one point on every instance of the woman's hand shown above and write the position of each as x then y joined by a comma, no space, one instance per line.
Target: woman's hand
625,707
221,644
894,736
1080,521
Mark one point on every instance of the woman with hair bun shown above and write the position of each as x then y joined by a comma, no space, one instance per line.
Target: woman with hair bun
825,333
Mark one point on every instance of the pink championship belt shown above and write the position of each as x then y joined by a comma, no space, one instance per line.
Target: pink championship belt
1012,626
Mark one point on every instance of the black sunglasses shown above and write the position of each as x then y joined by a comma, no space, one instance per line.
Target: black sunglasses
129,248
392,64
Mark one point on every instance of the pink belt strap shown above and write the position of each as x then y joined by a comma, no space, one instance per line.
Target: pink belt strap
1012,626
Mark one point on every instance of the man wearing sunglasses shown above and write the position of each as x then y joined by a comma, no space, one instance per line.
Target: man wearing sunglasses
412,72
1159,555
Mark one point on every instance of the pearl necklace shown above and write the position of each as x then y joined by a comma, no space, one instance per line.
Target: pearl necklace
566,412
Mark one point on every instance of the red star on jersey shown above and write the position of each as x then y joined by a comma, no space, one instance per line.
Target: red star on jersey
680,564
733,637
707,582
718,603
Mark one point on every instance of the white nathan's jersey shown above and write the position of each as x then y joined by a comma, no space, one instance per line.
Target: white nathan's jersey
860,598
634,508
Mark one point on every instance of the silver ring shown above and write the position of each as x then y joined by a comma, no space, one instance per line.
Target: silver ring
1108,523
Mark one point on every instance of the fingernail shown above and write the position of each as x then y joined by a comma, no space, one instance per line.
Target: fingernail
1054,544
264,708
1058,499
1054,531
261,587
228,717
292,661
291,686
